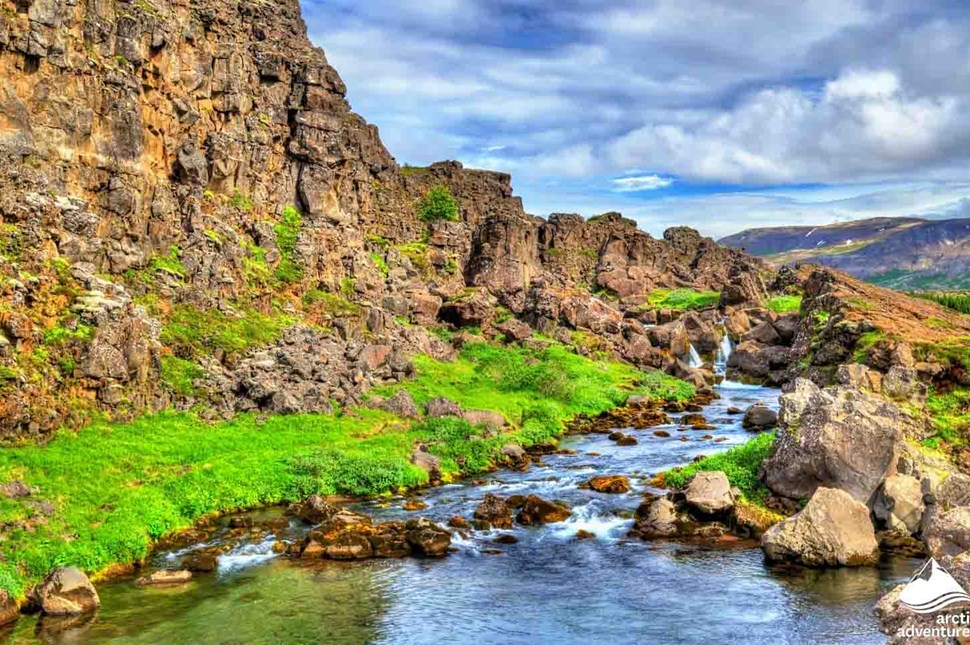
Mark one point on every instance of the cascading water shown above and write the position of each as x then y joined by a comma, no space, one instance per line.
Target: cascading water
695,358
723,354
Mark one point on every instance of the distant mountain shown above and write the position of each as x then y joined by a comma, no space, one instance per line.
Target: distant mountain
900,253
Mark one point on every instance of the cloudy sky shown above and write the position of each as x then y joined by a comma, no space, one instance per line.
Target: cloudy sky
719,114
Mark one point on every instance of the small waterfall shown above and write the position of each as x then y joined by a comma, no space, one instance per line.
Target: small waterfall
695,358
723,354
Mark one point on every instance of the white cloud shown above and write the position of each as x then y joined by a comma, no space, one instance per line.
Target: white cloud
565,93
641,183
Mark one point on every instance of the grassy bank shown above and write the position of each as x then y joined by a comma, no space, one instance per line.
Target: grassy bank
111,490
740,464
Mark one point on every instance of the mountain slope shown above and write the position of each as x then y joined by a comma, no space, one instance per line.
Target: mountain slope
900,253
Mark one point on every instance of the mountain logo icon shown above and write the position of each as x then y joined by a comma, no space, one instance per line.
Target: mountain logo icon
932,589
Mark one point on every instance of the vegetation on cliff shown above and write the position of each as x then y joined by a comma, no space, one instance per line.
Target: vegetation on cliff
682,299
110,490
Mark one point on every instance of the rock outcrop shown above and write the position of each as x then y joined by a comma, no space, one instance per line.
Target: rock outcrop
840,438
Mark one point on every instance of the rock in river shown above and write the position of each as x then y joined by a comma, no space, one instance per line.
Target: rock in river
610,484
832,530
536,510
494,510
66,591
709,493
759,417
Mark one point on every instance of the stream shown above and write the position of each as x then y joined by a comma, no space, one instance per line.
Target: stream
547,587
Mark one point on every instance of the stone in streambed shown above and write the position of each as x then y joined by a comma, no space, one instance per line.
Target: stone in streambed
536,510
9,608
202,562
759,417
494,510
414,505
459,522
66,591
164,578
609,484
832,530
506,538
427,538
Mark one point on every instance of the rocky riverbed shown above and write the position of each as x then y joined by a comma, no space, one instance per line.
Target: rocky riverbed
573,575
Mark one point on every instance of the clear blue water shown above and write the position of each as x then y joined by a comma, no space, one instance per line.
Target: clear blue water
547,588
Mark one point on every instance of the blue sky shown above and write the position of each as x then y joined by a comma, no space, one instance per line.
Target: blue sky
721,115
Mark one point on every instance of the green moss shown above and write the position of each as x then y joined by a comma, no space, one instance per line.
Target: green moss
409,171
865,344
681,299
417,253
950,414
335,304
170,264
60,335
179,375
784,304
438,204
287,233
241,202
255,268
191,331
741,465
381,264
378,240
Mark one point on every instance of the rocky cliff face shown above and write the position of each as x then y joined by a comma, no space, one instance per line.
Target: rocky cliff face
191,213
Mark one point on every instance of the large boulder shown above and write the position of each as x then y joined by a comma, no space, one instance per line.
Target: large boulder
948,532
709,493
899,504
832,530
66,591
838,438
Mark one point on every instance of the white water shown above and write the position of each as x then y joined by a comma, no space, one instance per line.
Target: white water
695,358
723,354
721,365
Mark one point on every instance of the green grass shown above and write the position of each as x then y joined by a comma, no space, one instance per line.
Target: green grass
681,299
179,375
950,413
740,464
117,488
784,304
865,344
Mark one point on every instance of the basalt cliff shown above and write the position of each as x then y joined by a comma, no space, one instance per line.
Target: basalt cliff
193,217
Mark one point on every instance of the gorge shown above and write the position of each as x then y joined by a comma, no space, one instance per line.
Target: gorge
222,297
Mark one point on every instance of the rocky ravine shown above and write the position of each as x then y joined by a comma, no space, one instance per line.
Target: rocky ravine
148,151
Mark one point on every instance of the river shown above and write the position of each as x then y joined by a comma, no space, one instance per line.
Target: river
546,588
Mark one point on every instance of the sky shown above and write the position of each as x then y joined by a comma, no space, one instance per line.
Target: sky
717,114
